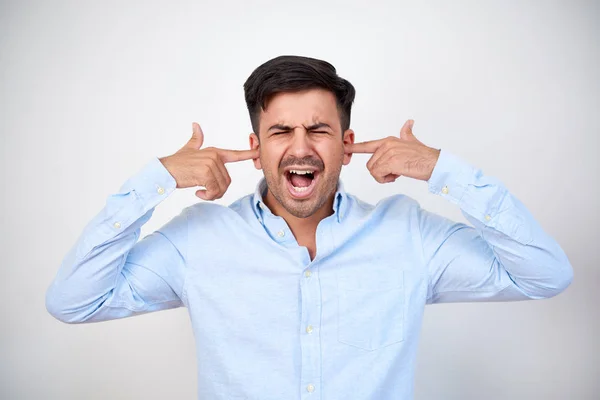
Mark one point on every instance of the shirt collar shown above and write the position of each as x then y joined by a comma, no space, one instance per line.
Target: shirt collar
340,200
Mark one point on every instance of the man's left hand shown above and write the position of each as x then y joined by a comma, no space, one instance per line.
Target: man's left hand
398,156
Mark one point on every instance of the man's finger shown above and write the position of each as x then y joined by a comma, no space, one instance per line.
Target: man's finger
219,179
197,138
381,152
364,147
238,155
406,130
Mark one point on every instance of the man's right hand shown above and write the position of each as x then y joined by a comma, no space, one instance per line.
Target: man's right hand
192,166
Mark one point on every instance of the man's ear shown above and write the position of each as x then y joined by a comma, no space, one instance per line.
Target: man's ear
255,144
348,139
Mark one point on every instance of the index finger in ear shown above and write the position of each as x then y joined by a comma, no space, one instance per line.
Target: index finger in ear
238,155
364,147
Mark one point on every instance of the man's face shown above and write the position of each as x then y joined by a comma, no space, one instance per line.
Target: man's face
301,149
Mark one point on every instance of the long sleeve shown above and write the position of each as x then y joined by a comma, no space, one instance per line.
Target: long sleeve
108,273
504,256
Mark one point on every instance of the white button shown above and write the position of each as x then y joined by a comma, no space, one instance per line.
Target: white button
445,190
261,205
487,217
309,329
117,225
160,190
307,273
281,233
310,388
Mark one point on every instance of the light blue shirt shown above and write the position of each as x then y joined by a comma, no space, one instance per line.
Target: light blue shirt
271,324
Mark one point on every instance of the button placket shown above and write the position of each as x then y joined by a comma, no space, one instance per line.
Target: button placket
311,353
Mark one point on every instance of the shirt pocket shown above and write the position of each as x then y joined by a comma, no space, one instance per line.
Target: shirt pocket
370,312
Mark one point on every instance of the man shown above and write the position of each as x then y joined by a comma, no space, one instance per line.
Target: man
301,290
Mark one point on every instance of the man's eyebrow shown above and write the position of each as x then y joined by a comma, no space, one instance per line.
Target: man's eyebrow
280,127
308,128
317,126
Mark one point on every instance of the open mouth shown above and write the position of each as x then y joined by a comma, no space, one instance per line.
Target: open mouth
301,182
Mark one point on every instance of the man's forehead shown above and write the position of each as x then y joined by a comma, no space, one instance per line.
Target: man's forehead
315,120
298,115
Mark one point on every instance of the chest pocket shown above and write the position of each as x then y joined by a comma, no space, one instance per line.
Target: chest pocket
370,311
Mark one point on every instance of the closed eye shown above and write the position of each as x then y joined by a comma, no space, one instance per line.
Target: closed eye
282,132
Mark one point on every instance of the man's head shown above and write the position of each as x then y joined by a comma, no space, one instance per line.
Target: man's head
300,113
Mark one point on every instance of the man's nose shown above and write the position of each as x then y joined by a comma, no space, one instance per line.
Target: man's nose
300,145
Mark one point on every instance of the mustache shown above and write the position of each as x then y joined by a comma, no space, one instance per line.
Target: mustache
304,161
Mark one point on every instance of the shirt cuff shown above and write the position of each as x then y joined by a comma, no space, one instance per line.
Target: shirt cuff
450,177
484,200
152,184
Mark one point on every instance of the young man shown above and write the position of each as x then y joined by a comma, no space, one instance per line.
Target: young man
301,290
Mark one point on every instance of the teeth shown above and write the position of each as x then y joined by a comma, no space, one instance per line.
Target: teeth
298,172
300,189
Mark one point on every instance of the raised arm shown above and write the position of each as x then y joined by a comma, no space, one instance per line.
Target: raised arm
108,273
505,255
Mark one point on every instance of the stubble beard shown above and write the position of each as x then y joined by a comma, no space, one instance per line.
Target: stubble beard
307,207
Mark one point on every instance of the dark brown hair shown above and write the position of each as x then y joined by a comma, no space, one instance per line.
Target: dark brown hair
292,74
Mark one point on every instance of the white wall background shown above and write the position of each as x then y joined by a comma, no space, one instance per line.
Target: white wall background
91,90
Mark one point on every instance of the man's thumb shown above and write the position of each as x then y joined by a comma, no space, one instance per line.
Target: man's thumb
406,131
197,138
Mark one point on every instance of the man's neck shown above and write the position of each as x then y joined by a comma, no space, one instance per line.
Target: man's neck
302,228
